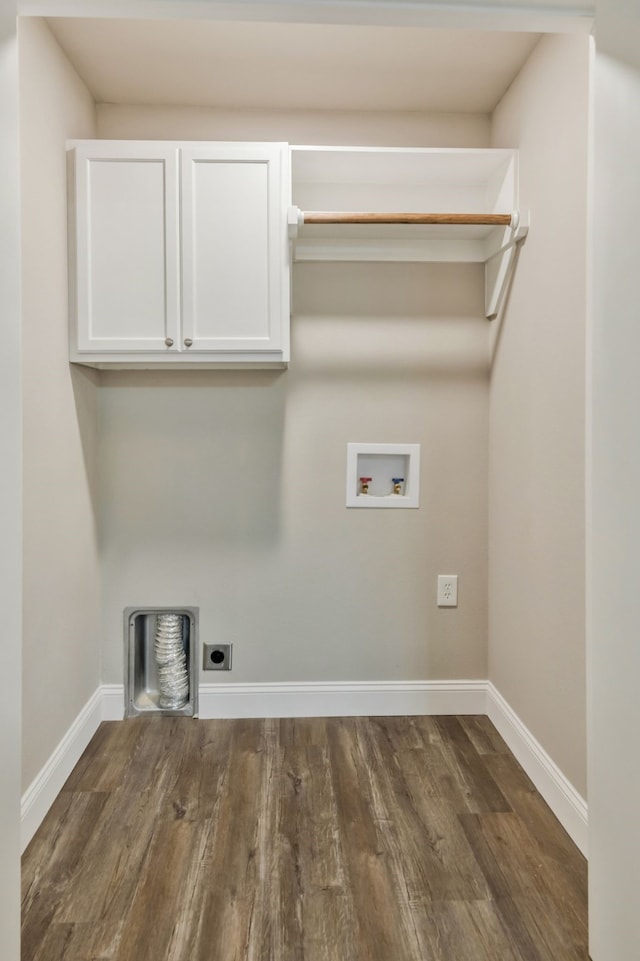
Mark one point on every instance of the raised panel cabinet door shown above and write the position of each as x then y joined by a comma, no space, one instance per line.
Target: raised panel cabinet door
235,296
125,232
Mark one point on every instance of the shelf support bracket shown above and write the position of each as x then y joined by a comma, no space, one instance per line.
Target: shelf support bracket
499,265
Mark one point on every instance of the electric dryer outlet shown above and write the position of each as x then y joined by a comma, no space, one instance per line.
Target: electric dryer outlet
216,657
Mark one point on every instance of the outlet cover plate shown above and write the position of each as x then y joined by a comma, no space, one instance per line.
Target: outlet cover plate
447,590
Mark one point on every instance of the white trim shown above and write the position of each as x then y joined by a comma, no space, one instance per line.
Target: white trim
342,698
46,786
566,803
325,699
112,702
538,16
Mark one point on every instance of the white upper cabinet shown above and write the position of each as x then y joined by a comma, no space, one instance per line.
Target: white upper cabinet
125,229
179,254
233,245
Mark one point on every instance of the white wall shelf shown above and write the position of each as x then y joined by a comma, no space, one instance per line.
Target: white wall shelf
372,470
402,183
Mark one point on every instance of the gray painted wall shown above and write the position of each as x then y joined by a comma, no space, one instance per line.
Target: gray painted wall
61,582
227,490
10,490
537,422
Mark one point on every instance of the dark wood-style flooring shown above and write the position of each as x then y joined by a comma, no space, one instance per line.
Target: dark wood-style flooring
339,839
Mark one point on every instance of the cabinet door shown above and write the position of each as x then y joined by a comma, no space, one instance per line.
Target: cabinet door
235,295
126,243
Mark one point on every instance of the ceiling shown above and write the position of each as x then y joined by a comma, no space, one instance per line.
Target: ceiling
292,65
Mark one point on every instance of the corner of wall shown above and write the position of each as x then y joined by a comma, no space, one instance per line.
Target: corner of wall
537,649
61,576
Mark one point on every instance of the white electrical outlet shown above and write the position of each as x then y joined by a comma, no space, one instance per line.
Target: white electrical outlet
447,590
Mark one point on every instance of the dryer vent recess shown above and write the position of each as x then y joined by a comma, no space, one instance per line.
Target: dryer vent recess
216,657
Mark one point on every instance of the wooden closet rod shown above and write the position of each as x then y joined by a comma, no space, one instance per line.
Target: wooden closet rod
352,217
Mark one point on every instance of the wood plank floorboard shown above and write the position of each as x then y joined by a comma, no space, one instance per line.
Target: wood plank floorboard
313,839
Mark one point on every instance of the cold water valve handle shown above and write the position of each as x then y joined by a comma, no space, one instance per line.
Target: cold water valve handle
397,484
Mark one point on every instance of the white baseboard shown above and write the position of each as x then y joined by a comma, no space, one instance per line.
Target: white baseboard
561,796
44,789
112,702
342,699
325,699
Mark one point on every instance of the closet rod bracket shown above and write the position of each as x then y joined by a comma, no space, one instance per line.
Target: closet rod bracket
500,264
295,220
